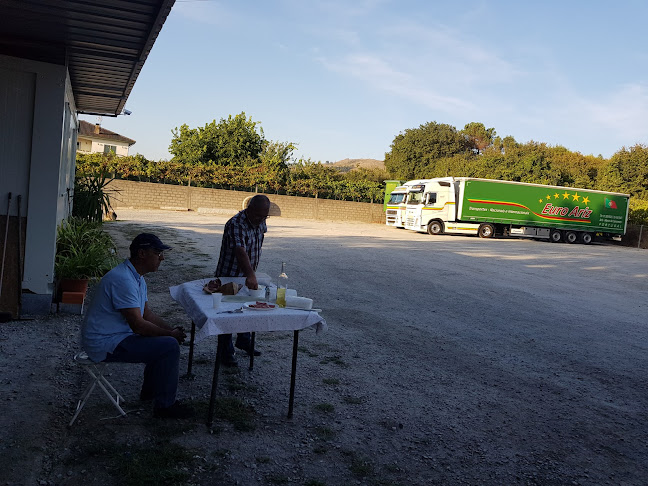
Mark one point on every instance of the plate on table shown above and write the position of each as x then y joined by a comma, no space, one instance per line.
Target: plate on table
259,306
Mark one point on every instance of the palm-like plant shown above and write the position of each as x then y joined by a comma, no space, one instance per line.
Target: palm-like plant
91,198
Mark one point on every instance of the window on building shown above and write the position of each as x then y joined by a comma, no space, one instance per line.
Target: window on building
110,148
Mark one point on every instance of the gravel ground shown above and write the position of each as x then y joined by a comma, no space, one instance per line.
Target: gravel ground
448,360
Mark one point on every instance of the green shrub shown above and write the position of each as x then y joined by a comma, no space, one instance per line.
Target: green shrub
91,198
638,213
83,250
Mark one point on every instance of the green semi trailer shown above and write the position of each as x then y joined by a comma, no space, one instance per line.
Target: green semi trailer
487,207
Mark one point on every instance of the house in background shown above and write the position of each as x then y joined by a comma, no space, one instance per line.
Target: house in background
92,138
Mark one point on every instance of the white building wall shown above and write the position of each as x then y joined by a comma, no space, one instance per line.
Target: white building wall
37,156
98,146
85,145
17,94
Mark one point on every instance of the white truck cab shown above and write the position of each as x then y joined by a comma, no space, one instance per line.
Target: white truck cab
395,209
432,207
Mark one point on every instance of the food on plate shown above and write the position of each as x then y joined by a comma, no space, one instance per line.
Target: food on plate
212,286
262,305
216,285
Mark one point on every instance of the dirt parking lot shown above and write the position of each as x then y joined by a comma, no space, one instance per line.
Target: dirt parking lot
448,360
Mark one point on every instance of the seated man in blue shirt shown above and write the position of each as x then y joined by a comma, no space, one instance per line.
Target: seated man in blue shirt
120,327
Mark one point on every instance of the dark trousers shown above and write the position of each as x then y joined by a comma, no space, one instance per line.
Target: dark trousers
243,340
161,354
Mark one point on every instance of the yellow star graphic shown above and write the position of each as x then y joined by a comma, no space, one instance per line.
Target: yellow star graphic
556,195
548,198
565,195
585,200
539,200
576,197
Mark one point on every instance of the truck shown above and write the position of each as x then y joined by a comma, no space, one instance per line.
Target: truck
486,207
395,206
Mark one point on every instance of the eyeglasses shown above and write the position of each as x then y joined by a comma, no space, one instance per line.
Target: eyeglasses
159,253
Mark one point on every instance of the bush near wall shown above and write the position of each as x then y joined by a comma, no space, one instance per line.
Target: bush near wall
299,180
329,184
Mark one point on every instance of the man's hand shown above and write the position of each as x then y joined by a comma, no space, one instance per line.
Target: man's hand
179,334
251,282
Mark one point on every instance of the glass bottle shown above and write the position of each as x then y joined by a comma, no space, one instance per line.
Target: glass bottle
282,285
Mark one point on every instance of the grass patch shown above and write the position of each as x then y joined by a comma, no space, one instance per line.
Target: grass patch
331,381
320,449
235,411
307,352
324,408
336,360
230,371
393,468
277,479
352,400
168,428
359,466
325,433
163,463
234,383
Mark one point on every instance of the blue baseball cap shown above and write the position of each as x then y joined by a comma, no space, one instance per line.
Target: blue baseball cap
148,240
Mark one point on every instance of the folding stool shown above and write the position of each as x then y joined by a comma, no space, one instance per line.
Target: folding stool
96,372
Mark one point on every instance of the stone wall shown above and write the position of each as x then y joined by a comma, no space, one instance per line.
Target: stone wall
148,195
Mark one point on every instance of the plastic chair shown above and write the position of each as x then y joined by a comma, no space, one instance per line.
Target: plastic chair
97,374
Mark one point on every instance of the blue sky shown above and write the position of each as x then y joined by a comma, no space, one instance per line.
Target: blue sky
341,78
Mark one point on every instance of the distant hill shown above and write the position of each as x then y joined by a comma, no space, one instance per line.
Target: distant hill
347,165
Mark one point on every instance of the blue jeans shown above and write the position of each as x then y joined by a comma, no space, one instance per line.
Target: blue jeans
161,354
243,340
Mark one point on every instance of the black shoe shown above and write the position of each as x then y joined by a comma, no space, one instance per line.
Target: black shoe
247,350
229,362
176,411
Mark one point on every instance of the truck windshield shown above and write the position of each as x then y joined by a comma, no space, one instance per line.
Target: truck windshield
415,198
396,198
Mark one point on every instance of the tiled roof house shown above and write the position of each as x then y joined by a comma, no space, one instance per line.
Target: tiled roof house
95,138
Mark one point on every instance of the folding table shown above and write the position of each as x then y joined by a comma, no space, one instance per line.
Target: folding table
207,321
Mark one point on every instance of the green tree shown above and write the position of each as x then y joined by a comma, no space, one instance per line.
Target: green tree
187,145
627,171
478,135
234,141
416,149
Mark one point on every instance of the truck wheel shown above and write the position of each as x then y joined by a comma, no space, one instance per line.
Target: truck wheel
435,228
571,237
486,230
586,238
555,236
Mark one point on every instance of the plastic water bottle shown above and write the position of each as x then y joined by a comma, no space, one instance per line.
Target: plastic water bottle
282,285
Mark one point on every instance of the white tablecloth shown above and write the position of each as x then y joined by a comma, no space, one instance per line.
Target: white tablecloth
209,321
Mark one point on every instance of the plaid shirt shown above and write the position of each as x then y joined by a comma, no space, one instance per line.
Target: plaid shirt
239,232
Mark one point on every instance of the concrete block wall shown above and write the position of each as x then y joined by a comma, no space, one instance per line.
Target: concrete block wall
148,195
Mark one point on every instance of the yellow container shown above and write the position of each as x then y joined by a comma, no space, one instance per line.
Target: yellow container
281,297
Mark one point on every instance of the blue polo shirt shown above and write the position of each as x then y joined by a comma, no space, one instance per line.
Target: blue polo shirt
104,327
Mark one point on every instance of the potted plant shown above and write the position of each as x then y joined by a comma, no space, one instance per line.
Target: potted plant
83,252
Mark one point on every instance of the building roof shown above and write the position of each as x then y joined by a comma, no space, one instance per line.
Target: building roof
87,129
104,43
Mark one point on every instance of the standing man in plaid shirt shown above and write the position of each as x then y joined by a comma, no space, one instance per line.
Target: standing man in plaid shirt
239,257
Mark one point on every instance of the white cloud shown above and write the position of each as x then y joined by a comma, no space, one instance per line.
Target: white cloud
380,75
